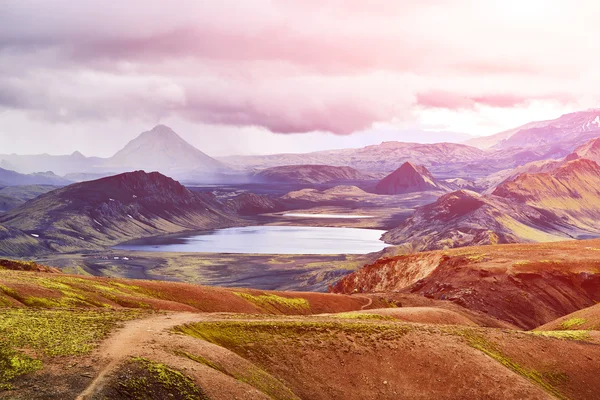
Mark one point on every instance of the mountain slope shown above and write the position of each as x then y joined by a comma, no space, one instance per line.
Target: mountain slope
589,151
409,178
309,174
95,214
161,149
567,132
465,218
13,196
570,192
487,142
525,284
562,203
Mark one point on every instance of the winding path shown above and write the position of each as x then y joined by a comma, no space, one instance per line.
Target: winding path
369,301
135,335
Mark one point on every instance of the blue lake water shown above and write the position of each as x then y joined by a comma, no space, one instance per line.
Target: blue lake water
267,240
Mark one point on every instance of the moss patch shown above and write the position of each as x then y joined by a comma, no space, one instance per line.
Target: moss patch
252,375
583,336
572,323
49,333
239,335
358,315
143,379
277,304
543,380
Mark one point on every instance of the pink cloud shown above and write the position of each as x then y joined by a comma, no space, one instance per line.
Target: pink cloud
291,66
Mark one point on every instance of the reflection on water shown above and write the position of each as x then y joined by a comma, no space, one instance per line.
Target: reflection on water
267,240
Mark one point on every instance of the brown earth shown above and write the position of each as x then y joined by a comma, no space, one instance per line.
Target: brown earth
526,285
365,346
356,359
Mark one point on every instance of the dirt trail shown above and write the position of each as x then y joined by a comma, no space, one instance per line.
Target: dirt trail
127,342
369,301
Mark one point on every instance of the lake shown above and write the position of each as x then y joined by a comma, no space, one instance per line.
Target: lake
267,240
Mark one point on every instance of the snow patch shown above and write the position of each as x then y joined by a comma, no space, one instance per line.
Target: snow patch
35,235
98,223
129,216
111,199
115,258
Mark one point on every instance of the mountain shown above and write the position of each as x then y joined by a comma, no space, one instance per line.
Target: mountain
161,149
570,193
309,174
563,203
465,218
566,132
107,211
61,165
377,159
409,178
12,178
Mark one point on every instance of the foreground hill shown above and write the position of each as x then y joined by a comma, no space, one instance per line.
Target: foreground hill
526,285
70,337
542,207
409,178
583,320
309,174
107,211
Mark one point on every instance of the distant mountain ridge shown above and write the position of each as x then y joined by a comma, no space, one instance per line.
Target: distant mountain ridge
309,174
12,178
382,158
568,131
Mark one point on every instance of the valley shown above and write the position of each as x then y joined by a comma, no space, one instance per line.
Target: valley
201,278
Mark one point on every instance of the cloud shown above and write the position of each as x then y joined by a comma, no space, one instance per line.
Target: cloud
292,66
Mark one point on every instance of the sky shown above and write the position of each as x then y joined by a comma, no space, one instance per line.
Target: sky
267,76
